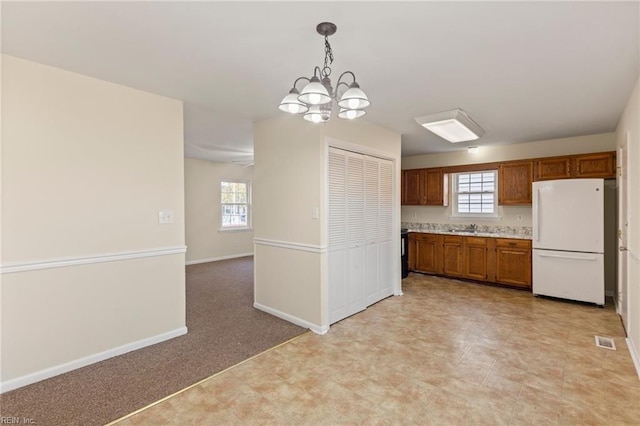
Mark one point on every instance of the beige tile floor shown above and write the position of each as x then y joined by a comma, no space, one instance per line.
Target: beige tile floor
447,352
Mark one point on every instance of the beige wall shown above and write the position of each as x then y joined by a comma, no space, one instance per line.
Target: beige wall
205,241
509,215
289,183
487,154
628,131
87,271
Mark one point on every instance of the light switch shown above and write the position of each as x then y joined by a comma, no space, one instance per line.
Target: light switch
315,213
165,216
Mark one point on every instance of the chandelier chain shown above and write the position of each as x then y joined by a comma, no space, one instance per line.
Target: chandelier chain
328,56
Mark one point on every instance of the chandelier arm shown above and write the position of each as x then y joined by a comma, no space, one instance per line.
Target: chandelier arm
298,79
340,83
343,74
317,72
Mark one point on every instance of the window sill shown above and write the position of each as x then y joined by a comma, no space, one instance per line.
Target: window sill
239,229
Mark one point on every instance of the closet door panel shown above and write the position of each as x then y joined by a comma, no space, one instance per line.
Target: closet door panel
372,223
337,234
385,229
356,234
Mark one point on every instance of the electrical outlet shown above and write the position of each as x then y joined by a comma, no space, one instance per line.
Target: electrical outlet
519,217
165,217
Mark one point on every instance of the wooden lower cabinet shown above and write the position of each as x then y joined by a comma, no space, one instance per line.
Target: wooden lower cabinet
427,253
500,260
479,258
513,262
453,253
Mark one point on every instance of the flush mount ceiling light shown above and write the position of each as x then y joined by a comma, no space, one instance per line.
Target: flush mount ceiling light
454,126
315,100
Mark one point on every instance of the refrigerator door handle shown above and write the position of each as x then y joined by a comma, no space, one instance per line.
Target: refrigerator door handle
560,256
536,207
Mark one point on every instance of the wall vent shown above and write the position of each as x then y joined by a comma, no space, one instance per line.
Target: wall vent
606,343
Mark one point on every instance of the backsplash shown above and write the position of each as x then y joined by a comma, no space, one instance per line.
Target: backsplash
516,231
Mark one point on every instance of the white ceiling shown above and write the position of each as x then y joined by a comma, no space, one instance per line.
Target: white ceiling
523,70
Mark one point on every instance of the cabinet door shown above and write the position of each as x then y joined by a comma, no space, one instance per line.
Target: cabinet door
452,255
553,168
413,253
411,187
428,254
601,165
513,262
476,259
514,182
435,190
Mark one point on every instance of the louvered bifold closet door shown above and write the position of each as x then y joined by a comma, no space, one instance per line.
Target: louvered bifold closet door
356,237
360,232
385,230
337,235
372,227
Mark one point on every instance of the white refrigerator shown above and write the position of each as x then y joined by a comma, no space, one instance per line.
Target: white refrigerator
568,239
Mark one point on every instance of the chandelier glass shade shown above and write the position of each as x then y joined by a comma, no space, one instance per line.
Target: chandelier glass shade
317,96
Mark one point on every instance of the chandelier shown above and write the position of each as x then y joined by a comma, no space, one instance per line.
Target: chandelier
315,100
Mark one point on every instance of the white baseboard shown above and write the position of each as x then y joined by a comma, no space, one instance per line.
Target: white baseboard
215,259
91,359
634,355
295,320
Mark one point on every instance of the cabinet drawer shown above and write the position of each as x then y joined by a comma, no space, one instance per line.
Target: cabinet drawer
454,239
419,236
515,243
476,241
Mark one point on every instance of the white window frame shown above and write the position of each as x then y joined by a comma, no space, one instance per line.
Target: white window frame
224,228
475,215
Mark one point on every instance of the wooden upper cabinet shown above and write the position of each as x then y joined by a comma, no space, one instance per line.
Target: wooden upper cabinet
435,187
553,168
424,187
600,165
411,187
514,182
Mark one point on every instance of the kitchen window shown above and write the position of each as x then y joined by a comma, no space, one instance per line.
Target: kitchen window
475,194
235,201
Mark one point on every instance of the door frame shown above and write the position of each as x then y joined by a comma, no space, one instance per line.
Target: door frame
622,297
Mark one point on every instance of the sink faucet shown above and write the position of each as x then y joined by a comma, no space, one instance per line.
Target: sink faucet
473,227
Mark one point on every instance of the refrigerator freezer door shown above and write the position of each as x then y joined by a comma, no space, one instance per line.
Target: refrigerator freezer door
568,215
569,275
